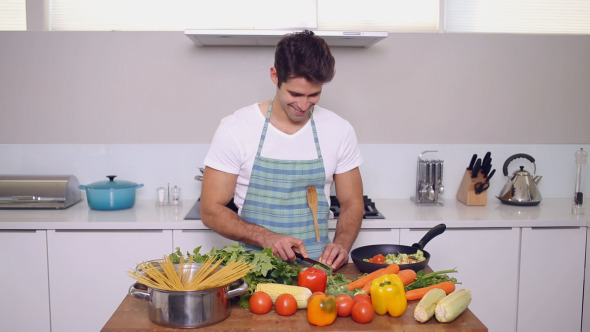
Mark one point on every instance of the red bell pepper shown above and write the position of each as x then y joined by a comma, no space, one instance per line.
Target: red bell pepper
314,279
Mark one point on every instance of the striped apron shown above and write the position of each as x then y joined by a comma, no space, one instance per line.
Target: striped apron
277,196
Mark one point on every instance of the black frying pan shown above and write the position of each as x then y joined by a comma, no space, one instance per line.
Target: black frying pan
366,252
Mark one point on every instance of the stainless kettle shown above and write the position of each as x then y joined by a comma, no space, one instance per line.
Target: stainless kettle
521,188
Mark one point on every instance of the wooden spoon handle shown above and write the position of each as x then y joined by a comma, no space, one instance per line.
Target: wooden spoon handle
312,201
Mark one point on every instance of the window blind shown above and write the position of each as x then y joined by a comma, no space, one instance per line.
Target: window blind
13,15
517,16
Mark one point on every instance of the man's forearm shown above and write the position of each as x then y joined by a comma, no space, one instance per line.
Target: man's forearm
348,226
230,225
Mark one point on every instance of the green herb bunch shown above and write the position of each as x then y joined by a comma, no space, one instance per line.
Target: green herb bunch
267,267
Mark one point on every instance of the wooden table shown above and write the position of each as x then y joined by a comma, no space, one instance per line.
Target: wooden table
132,315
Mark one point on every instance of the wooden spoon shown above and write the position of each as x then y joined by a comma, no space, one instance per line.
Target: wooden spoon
312,201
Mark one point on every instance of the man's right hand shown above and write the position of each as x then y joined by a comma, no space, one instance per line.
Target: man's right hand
283,246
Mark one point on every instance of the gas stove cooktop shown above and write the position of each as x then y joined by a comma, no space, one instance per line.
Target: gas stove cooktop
371,211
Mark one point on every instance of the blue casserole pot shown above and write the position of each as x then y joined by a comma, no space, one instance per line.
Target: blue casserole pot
111,194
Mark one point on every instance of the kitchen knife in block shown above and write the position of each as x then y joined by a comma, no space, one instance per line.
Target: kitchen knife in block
466,192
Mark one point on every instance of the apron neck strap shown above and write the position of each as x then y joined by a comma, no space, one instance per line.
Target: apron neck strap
265,128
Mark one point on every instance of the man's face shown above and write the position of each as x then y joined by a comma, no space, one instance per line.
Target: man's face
297,96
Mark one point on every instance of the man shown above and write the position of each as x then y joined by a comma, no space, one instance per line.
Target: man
266,156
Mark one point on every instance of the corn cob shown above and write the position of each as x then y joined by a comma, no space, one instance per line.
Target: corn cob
451,306
301,294
425,308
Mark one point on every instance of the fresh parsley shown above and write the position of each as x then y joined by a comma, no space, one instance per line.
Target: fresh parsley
267,267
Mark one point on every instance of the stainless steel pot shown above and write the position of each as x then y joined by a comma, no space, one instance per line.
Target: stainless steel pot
188,309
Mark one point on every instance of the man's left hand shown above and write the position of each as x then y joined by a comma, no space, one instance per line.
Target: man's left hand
334,255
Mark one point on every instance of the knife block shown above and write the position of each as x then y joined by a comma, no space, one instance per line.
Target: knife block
466,192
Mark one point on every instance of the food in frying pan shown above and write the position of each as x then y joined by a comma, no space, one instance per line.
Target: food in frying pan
397,259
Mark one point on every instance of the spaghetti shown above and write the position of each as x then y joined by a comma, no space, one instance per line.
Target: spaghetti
187,275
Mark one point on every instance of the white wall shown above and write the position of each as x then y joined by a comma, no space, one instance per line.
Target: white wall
158,88
389,170
144,105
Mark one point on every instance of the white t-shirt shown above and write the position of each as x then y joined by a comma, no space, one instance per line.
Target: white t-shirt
236,140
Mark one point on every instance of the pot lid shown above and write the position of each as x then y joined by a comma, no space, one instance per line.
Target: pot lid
112,184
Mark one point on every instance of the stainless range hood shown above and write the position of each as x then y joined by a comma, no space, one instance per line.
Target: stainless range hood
271,37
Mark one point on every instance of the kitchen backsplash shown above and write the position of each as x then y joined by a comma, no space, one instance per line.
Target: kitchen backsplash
389,170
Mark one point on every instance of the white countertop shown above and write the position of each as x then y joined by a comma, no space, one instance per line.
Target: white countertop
399,213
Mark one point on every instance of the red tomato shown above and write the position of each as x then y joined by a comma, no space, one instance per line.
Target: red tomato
260,303
362,298
363,312
344,305
379,258
286,305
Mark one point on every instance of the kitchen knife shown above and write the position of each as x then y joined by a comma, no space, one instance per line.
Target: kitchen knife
487,159
476,168
489,176
312,261
486,167
472,162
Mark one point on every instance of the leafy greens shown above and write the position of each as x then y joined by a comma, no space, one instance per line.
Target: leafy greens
267,267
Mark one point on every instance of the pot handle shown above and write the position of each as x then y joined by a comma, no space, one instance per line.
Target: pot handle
516,156
138,291
243,288
139,186
431,234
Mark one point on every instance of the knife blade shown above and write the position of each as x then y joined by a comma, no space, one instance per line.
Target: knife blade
312,261
486,167
490,175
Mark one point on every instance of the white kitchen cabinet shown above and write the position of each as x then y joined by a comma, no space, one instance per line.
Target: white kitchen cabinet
370,236
586,304
189,239
87,278
551,279
24,304
487,263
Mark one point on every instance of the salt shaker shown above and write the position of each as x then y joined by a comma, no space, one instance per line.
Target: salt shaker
161,196
175,198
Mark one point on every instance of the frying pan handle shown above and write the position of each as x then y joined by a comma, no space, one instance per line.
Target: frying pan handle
431,234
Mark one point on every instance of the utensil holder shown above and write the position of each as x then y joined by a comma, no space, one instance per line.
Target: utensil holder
466,192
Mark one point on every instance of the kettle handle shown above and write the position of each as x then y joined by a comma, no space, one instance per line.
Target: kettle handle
516,156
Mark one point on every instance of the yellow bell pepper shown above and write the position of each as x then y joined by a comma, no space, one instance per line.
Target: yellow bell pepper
388,295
